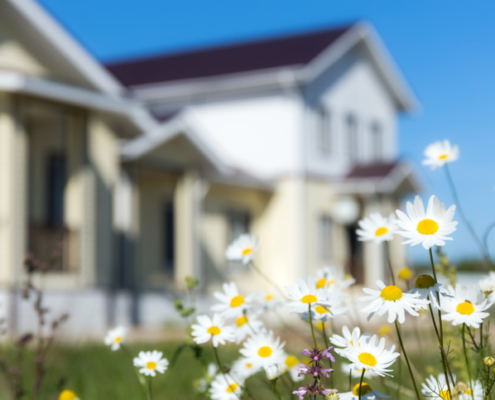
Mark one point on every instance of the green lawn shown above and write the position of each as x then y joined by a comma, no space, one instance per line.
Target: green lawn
96,373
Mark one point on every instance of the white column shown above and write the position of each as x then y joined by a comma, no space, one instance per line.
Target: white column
188,206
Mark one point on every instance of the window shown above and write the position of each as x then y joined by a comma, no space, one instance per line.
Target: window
376,142
324,131
239,223
325,237
56,178
352,138
169,237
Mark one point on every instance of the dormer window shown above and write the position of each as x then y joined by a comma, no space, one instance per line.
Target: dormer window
377,142
352,138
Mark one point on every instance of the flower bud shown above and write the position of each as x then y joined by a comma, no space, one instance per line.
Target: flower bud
406,274
488,361
272,372
332,395
487,286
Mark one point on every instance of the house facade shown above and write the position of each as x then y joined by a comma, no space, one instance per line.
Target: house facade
121,180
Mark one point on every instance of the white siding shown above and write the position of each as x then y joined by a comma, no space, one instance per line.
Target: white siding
258,135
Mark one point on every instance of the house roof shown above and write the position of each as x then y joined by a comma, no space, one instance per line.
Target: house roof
379,170
256,55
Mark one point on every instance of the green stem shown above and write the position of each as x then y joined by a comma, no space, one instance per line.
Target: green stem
276,389
387,255
311,324
453,189
150,388
407,361
350,379
466,358
217,358
361,383
327,345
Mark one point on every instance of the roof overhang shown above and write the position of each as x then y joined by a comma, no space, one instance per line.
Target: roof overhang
55,40
133,112
287,77
400,180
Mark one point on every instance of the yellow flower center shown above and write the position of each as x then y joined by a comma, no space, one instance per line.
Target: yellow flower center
468,391
247,251
237,301
67,395
427,227
425,282
291,361
321,283
249,365
241,320
309,298
265,351
443,157
367,359
269,297
385,330
151,365
118,339
391,293
213,330
365,389
465,308
322,310
405,274
232,388
381,231
445,395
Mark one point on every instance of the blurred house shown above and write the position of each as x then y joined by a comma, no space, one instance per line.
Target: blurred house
123,179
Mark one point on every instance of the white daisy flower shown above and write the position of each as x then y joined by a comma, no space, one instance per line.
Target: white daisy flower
202,384
393,300
304,295
226,387
244,368
372,356
348,339
115,337
429,228
242,249
262,350
212,329
272,372
246,325
377,228
437,388
487,284
232,304
367,393
356,373
268,301
475,390
466,305
290,365
427,289
331,277
333,308
151,362
439,153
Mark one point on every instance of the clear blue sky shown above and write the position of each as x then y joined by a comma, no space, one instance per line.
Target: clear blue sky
446,50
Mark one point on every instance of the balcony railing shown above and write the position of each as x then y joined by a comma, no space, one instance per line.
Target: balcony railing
55,248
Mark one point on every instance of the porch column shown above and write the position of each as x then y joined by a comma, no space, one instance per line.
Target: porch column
188,205
13,190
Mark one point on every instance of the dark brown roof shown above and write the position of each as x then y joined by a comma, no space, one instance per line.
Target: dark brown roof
241,57
371,171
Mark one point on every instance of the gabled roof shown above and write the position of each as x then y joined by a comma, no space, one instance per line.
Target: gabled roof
53,39
293,50
276,63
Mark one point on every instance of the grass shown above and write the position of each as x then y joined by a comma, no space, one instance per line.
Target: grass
96,373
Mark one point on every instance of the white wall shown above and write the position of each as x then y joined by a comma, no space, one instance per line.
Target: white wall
259,135
351,87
